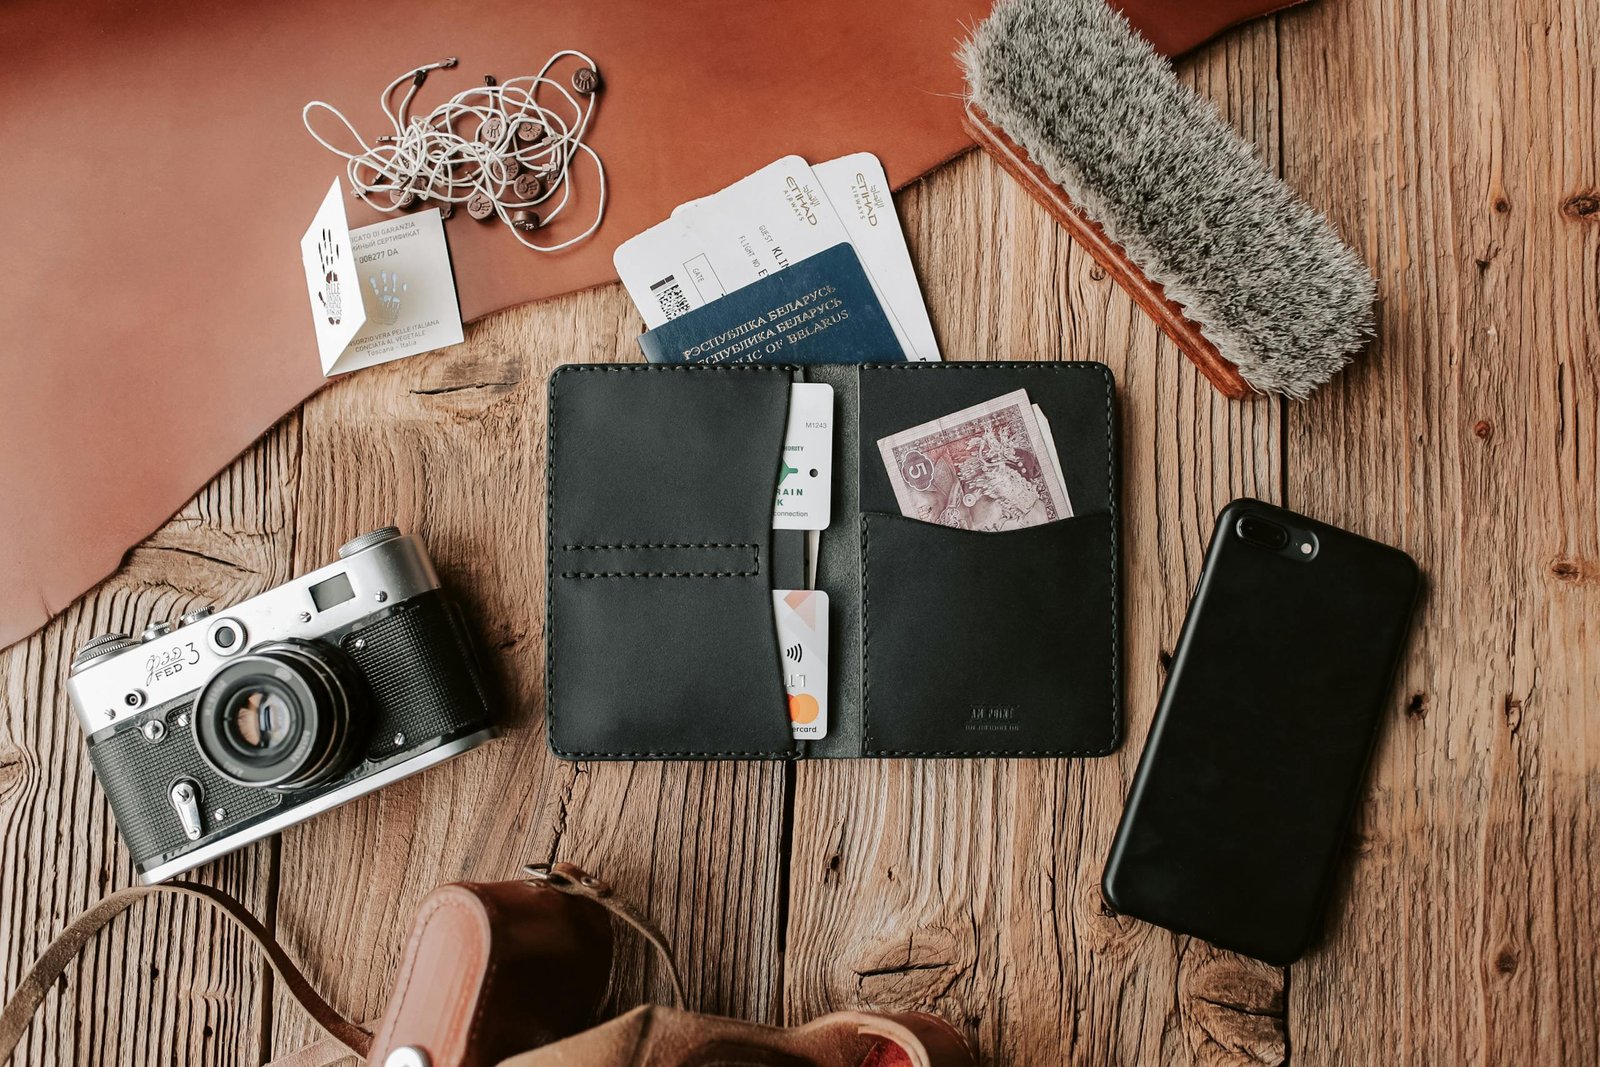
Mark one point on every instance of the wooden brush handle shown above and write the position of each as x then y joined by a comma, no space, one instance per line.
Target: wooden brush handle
1147,294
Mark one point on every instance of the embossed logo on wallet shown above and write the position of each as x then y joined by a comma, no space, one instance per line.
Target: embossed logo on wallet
993,718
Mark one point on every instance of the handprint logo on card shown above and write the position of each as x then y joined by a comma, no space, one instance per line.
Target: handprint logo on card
332,299
390,291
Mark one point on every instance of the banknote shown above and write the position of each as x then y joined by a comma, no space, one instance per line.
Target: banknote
989,467
1051,454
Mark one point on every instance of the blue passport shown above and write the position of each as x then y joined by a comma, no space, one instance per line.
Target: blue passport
819,310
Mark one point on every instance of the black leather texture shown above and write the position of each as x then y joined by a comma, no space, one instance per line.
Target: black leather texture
660,635
1255,760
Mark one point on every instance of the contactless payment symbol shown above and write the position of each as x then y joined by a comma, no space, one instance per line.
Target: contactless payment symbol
917,469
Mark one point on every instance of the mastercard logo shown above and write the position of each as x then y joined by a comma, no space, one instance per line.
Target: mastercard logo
803,708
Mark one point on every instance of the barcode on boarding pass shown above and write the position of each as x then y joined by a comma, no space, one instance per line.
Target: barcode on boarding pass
669,295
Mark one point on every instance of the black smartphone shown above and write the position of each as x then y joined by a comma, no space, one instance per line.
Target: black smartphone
1260,744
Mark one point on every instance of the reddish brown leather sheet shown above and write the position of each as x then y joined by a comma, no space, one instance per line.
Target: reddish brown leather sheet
153,316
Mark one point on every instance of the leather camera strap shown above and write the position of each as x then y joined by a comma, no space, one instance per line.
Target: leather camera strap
65,948
345,1037
575,881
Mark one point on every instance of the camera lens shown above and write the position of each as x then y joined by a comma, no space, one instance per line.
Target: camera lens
285,716
260,723
1263,532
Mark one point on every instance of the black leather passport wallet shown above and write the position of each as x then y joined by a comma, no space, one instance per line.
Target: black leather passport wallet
660,639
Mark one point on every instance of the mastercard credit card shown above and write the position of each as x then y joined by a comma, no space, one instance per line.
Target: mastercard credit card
802,620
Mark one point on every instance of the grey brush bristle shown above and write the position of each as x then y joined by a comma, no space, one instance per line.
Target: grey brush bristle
1265,277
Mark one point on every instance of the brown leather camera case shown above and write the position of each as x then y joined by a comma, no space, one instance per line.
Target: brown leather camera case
508,974
493,969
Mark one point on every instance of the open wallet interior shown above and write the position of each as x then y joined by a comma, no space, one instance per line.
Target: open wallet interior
660,636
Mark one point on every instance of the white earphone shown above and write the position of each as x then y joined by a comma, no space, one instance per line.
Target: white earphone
492,149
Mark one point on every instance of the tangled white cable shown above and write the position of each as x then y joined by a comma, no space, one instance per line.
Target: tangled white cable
493,149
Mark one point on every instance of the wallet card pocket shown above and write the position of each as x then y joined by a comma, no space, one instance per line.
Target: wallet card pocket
670,659
989,644
660,641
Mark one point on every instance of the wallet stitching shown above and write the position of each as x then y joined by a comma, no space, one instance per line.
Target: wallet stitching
748,546
706,544
1111,496
495,921
550,568
583,575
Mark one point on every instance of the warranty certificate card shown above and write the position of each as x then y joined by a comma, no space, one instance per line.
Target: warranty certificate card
379,293
336,307
408,289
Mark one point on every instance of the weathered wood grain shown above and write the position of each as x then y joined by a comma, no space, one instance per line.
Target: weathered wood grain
972,888
169,983
1459,153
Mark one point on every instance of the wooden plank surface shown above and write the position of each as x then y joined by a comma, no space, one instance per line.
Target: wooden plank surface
1456,142
1462,153
172,985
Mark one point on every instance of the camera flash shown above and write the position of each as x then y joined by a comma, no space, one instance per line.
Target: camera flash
1305,548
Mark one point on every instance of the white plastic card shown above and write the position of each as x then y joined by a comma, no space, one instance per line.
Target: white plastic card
805,471
801,617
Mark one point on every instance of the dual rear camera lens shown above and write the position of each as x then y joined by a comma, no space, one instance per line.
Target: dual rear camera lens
1262,532
1293,541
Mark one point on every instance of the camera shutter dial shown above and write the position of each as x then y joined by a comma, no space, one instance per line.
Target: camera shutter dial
368,540
100,647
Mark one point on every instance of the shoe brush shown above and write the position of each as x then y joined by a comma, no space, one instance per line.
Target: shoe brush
1248,280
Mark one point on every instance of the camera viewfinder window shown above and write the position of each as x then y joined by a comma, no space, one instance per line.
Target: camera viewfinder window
335,590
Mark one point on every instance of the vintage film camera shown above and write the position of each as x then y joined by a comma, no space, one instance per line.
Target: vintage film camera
235,725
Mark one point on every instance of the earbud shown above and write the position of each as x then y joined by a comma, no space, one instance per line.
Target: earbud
518,155
527,186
